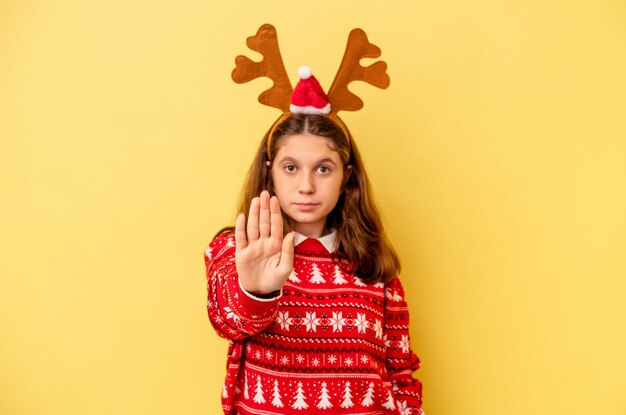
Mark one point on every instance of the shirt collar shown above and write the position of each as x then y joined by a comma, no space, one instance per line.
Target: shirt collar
327,240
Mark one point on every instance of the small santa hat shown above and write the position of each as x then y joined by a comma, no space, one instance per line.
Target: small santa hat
308,97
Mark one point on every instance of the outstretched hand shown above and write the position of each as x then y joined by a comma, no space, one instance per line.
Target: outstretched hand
263,257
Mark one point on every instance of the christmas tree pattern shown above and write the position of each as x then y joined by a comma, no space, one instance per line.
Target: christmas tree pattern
338,276
293,277
230,243
393,295
359,282
369,394
347,397
276,398
316,275
324,402
245,386
299,400
258,396
390,402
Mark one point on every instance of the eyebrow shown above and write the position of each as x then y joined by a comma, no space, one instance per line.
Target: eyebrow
292,160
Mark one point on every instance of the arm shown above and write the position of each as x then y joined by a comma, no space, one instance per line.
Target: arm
401,361
233,312
246,271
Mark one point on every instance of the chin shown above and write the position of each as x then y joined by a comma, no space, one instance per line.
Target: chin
299,218
305,217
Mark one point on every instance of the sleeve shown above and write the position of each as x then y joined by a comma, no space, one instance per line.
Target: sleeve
234,313
401,361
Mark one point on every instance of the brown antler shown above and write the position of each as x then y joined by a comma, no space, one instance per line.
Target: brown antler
266,43
350,70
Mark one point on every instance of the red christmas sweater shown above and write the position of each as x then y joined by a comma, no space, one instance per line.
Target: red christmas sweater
328,344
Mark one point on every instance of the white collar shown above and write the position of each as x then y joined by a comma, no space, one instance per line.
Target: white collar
327,240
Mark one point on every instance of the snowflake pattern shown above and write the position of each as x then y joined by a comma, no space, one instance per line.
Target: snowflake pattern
337,321
311,321
361,322
386,340
404,343
378,329
403,408
284,320
230,314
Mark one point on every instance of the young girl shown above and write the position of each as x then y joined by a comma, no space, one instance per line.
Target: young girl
306,289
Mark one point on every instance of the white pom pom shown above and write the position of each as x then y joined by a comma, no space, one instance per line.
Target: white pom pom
304,72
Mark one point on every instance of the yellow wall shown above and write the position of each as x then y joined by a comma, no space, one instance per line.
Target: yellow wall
498,156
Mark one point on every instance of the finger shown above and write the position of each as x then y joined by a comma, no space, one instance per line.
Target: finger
286,255
264,215
240,233
253,220
276,219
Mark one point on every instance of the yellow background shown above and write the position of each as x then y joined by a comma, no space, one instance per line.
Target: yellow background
498,156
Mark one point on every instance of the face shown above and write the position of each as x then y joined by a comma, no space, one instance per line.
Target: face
308,177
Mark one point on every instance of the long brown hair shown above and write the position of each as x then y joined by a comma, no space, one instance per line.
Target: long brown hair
361,239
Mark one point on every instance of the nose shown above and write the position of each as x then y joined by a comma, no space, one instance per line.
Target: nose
307,184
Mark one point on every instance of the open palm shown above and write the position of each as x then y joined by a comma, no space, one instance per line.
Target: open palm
263,257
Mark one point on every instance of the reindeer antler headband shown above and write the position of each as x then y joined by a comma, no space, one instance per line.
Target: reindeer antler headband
309,97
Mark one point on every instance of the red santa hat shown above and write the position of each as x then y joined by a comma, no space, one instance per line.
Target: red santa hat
308,97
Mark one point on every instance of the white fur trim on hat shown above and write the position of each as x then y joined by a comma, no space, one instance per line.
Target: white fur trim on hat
309,109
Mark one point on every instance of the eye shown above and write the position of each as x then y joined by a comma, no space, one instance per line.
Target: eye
290,168
323,169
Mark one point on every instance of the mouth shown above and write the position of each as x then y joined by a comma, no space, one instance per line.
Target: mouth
305,207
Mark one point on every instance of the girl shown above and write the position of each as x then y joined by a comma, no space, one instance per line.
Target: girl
305,286
316,319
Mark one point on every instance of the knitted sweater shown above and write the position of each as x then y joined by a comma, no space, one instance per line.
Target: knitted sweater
328,344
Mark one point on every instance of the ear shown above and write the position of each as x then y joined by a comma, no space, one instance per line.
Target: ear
267,163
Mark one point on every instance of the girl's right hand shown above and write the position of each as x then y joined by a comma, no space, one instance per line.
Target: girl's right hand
264,259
